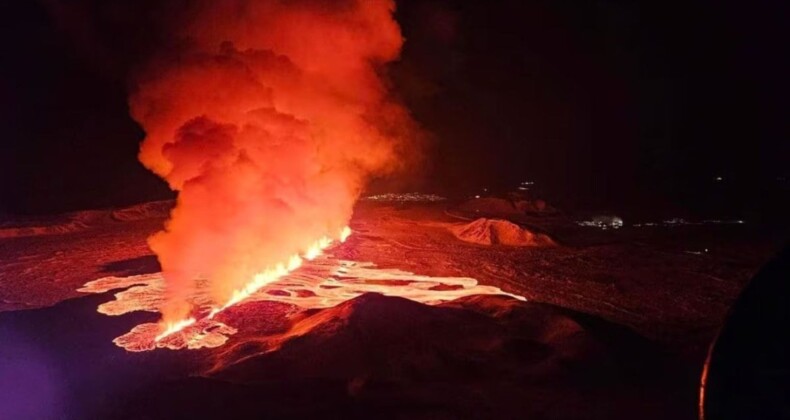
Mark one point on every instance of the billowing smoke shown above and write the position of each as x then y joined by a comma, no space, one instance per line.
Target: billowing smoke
267,117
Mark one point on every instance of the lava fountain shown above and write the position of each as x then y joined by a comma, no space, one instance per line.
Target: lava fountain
267,117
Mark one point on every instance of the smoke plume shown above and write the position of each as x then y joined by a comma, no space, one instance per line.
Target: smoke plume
267,117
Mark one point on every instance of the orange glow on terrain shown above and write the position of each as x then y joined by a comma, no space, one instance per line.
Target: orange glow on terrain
302,284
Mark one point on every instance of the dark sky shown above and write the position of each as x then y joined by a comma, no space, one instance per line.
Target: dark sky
601,102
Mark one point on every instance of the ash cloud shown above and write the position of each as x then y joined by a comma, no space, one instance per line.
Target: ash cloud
268,118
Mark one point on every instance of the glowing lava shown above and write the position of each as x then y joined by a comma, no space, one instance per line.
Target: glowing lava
323,282
260,280
174,327
345,233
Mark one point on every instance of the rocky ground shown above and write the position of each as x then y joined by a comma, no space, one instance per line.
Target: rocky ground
615,325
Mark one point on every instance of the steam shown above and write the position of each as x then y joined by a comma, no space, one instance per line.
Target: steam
267,117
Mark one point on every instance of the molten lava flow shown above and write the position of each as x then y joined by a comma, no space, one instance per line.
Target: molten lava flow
321,283
174,327
269,276
260,280
267,117
344,234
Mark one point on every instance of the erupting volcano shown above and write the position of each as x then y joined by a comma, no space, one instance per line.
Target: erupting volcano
407,208
267,118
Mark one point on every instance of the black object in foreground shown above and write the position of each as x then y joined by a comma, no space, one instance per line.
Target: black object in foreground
747,373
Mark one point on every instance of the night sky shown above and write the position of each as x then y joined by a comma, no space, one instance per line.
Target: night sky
605,104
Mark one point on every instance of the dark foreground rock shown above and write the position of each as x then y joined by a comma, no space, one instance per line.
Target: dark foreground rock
476,357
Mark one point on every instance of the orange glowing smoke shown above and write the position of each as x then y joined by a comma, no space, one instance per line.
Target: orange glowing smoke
267,117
